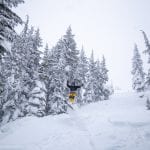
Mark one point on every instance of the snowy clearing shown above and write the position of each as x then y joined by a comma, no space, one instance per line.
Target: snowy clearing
122,123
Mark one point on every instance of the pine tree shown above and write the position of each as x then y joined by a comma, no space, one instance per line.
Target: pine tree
45,79
33,59
89,86
18,97
71,53
48,69
60,92
147,51
8,20
137,71
24,60
82,68
81,74
98,87
104,70
3,89
104,79
147,43
53,76
28,56
10,82
101,90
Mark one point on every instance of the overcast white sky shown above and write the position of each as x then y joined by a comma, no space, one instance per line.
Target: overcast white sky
109,27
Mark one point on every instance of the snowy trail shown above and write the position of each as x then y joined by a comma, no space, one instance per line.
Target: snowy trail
82,127
122,123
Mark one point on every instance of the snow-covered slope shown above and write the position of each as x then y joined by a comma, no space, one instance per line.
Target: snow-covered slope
122,123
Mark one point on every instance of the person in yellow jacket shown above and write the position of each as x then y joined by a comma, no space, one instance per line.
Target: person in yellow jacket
73,88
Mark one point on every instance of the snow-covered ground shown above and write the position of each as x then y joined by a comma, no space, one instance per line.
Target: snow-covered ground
122,123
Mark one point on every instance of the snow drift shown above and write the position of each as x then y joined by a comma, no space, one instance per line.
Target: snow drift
122,123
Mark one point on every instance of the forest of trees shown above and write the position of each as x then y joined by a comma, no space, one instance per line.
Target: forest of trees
33,81
141,76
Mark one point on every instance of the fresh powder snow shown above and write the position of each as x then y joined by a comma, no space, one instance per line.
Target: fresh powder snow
121,123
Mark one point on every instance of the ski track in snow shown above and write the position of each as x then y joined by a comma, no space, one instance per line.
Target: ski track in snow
122,123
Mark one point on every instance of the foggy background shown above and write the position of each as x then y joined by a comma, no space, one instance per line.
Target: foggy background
109,27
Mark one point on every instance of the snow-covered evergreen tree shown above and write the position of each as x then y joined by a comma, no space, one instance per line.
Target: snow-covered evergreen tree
8,20
81,74
147,43
137,71
104,70
60,91
98,87
52,76
3,89
33,58
18,74
147,51
97,78
9,108
24,60
104,79
30,56
45,79
89,86
71,53
82,67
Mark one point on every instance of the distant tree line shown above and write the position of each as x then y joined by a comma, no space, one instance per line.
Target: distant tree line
33,82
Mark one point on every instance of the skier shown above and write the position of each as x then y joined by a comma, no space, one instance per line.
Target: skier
73,88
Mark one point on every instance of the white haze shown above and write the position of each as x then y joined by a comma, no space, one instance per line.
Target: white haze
109,27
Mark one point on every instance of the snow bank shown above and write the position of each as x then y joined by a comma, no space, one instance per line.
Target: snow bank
122,123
